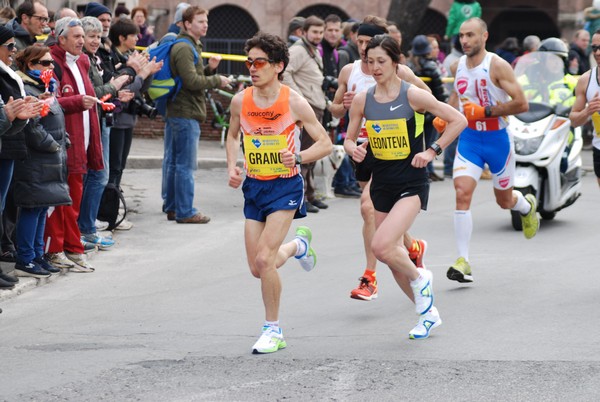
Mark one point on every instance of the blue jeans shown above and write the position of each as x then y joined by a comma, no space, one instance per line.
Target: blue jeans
344,177
182,161
166,163
93,187
30,234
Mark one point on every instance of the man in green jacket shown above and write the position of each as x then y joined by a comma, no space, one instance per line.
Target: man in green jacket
185,112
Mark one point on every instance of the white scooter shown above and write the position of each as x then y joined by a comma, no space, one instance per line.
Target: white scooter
547,148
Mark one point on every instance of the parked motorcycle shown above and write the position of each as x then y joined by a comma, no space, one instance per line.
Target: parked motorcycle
547,148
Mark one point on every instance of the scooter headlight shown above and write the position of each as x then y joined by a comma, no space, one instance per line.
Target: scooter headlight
527,146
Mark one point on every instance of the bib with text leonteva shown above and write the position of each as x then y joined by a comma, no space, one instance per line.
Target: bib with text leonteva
596,122
262,154
388,139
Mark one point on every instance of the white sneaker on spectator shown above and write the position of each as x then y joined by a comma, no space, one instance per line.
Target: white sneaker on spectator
81,263
59,260
100,225
125,225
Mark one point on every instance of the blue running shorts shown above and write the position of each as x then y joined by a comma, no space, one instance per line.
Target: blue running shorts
263,197
476,148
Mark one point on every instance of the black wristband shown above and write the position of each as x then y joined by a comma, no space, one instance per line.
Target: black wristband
298,159
488,111
436,148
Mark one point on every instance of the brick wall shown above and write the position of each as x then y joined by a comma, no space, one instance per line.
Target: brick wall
148,128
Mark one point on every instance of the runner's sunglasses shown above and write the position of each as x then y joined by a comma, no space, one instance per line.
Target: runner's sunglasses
258,63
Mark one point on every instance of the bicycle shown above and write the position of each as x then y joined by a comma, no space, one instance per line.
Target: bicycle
222,114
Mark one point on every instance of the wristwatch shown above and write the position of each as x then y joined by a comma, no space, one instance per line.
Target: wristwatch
436,148
488,111
298,159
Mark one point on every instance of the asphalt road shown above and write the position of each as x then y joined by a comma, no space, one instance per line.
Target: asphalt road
171,312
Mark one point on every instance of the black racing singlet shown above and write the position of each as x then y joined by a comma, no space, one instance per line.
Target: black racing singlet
395,135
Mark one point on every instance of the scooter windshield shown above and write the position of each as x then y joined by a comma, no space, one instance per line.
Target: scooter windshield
541,75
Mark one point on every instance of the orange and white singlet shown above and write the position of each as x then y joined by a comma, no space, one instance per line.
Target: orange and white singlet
266,132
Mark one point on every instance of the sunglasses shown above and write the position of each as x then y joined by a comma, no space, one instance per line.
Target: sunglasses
10,46
258,63
73,23
595,47
45,63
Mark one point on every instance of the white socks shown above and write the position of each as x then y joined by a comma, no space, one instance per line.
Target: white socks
302,247
463,227
522,205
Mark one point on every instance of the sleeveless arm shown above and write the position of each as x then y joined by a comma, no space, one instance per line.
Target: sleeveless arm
580,113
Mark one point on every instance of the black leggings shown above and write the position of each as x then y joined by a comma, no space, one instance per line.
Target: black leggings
120,145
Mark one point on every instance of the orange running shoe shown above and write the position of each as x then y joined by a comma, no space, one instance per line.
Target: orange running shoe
366,290
417,256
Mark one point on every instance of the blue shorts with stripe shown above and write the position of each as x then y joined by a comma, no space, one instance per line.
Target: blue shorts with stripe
481,147
263,197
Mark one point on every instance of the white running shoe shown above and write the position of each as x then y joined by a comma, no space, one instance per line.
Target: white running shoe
423,291
309,259
427,322
271,340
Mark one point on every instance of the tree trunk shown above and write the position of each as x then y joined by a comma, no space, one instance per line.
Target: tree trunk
408,15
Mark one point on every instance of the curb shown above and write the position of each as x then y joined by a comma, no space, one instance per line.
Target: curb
155,162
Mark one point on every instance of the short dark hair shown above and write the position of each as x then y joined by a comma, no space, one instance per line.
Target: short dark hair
26,8
192,11
388,44
312,21
122,27
333,18
275,48
28,54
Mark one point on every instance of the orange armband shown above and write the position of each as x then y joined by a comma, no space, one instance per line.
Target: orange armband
439,125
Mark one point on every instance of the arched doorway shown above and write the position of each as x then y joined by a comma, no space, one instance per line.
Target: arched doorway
322,11
521,22
226,37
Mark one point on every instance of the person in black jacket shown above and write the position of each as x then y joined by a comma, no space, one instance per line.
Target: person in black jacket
40,179
424,65
11,88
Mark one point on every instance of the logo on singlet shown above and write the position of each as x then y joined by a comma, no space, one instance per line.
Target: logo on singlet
392,108
462,85
278,115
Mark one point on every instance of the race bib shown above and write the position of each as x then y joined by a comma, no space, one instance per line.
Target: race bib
490,124
388,139
262,154
596,123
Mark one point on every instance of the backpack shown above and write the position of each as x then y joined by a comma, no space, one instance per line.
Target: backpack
164,86
112,198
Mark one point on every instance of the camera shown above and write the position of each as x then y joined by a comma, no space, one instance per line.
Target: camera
109,119
141,108
329,83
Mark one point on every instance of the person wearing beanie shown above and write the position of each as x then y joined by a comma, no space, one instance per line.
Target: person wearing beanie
31,20
177,24
101,12
295,30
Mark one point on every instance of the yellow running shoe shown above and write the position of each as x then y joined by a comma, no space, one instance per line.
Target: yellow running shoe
460,271
531,221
